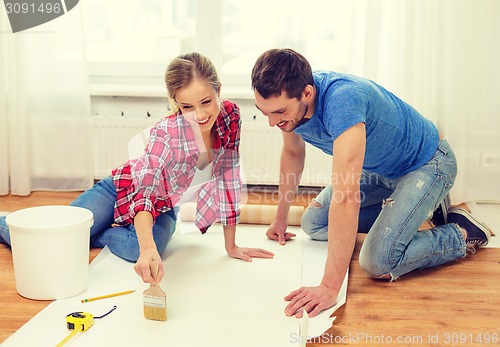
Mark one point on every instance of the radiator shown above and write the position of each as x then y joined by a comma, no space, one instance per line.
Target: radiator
260,150
110,137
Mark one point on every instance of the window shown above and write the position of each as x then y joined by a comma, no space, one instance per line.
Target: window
320,31
128,39
131,41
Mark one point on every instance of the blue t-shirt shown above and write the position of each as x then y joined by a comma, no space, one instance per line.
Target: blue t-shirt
398,138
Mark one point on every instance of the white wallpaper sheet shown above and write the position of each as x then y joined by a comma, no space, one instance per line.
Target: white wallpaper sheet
212,300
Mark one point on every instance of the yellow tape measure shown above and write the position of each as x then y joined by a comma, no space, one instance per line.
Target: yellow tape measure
78,322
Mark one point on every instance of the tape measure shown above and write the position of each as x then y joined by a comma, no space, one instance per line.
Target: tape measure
80,321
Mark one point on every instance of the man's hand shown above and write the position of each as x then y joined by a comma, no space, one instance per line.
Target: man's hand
246,254
277,232
312,299
149,266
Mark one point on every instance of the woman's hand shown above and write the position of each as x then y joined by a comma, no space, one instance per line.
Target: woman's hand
149,266
246,254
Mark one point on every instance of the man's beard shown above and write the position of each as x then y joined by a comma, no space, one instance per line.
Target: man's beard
303,108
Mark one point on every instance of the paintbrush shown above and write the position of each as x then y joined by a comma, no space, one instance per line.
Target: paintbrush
155,303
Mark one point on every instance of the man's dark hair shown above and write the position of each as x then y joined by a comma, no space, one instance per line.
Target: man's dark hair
279,70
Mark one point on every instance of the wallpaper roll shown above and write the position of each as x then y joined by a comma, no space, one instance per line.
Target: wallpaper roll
250,214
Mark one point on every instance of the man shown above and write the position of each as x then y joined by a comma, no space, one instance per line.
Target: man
390,171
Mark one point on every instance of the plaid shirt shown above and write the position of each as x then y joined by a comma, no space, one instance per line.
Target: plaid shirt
156,181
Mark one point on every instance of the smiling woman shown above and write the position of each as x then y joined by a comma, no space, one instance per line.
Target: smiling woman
194,90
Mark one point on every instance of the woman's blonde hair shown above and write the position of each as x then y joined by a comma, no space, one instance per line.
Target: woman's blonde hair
184,69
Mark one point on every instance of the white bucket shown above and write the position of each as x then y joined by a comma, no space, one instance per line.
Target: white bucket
50,250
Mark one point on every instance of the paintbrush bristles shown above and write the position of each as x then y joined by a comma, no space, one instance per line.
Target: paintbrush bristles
155,313
155,303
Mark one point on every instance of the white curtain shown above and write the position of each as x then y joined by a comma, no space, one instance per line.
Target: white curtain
44,107
442,57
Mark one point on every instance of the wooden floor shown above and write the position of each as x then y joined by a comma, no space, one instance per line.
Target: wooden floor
17,310
454,305
457,304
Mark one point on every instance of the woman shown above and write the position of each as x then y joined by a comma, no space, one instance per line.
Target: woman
191,153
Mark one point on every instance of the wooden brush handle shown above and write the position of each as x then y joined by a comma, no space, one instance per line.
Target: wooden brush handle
155,290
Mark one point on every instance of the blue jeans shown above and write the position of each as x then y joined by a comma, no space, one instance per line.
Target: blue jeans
391,212
121,240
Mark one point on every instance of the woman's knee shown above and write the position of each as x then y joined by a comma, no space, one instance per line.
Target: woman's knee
163,229
162,240
128,252
121,241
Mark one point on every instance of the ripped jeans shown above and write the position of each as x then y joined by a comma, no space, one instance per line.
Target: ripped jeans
391,212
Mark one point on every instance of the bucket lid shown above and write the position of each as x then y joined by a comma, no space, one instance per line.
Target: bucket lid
45,217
